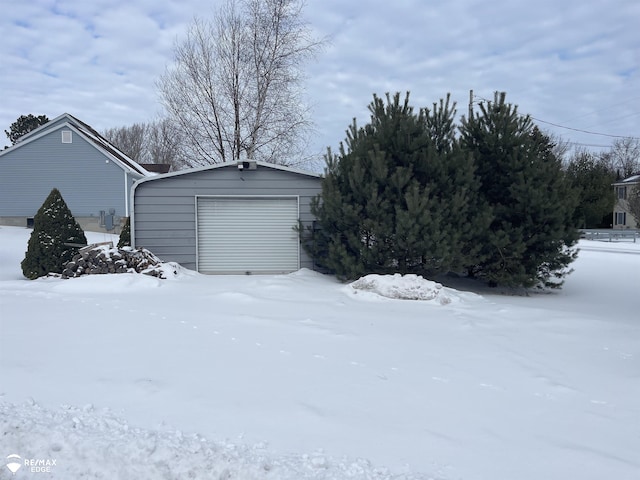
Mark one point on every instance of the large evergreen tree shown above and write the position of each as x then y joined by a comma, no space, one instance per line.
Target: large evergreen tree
401,196
53,227
530,240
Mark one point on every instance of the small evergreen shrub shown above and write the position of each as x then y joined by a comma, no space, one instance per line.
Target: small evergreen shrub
53,226
125,235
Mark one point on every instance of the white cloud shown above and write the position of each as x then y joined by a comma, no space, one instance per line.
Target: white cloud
562,62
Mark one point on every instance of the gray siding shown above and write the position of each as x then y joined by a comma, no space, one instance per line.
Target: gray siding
165,215
88,180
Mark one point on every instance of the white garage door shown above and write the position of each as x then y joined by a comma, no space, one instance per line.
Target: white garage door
247,234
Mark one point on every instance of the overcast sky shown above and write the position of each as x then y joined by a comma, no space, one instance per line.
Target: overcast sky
574,63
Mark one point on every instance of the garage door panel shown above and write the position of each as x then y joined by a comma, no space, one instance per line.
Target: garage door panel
240,235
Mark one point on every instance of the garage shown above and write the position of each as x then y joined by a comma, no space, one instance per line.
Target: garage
247,234
227,218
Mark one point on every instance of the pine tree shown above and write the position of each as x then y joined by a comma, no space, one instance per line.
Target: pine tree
400,197
23,125
530,239
591,178
125,235
53,227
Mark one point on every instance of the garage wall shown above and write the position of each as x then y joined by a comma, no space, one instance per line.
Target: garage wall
165,207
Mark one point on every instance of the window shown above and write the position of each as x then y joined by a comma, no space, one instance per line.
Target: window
66,136
621,218
622,192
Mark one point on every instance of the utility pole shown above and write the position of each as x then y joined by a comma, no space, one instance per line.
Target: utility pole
470,105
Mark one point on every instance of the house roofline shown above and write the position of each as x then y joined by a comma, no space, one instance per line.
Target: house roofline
90,135
35,131
628,181
273,166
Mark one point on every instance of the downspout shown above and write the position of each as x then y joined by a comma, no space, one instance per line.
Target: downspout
126,194
132,227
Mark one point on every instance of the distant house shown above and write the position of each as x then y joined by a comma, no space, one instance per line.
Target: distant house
94,177
237,218
622,217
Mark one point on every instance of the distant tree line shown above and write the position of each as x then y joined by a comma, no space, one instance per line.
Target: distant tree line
154,142
591,175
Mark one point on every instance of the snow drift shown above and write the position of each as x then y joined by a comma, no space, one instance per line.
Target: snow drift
408,287
301,377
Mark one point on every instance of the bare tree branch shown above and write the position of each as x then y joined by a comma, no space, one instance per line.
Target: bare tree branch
156,142
234,90
624,156
130,140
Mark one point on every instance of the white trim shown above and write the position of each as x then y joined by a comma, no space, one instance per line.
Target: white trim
629,180
195,236
48,124
623,214
132,226
126,194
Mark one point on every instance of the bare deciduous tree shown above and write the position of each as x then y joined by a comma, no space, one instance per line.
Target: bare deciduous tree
560,146
624,156
235,88
156,142
129,140
165,144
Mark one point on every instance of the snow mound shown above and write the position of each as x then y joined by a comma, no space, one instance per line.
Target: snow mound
91,444
405,287
170,270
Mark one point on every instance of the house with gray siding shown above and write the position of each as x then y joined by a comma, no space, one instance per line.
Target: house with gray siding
231,218
94,177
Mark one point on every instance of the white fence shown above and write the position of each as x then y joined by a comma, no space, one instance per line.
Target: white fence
611,235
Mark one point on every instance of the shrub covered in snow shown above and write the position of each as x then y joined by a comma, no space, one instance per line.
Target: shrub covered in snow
54,231
103,259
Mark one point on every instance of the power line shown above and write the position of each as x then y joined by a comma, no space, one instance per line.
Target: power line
614,120
577,144
583,131
594,112
569,128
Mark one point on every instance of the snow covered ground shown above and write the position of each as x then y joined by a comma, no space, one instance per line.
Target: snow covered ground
301,377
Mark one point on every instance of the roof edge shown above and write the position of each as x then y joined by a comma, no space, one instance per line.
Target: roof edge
227,164
42,127
83,134
629,180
